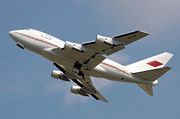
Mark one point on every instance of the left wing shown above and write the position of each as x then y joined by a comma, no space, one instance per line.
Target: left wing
88,55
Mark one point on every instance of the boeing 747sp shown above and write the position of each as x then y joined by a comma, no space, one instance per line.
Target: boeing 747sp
78,62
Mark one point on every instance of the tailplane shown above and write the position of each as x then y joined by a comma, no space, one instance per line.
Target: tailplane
152,75
147,88
150,69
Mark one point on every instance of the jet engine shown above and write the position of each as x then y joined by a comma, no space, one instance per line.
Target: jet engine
78,90
101,40
106,40
59,75
74,46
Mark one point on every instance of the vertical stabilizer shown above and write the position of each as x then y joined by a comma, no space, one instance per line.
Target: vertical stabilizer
150,69
151,63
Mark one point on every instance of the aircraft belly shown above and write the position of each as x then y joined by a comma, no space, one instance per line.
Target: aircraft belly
109,74
101,72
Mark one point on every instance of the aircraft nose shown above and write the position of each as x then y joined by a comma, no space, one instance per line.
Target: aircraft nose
11,33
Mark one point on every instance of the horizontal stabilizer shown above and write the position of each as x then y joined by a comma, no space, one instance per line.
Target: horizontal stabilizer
152,75
147,88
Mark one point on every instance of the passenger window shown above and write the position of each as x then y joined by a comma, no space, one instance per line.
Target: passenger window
47,37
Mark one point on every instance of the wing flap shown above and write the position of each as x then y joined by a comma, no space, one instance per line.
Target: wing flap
113,50
94,61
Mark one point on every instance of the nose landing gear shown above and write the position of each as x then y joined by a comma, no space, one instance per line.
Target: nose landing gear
20,46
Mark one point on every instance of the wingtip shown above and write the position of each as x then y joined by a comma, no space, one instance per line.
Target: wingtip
143,32
150,93
105,101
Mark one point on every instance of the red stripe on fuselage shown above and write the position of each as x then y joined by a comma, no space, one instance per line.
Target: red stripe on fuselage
58,47
38,40
116,68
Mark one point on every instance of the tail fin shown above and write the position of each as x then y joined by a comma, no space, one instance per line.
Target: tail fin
151,63
151,75
150,69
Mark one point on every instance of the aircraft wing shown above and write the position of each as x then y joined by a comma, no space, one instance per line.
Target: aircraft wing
112,45
130,37
84,82
88,55
87,86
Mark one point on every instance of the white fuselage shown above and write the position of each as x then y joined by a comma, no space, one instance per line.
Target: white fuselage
42,44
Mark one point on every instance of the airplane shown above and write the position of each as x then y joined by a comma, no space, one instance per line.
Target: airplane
79,62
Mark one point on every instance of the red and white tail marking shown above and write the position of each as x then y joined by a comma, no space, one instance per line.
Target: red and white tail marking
155,63
150,69
151,63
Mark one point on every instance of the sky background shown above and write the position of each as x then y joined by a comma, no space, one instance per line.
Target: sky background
27,90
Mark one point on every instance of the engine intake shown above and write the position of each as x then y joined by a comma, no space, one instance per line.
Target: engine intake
78,90
59,75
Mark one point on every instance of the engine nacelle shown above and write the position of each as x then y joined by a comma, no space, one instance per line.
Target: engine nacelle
101,40
59,75
68,45
109,41
74,46
78,90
